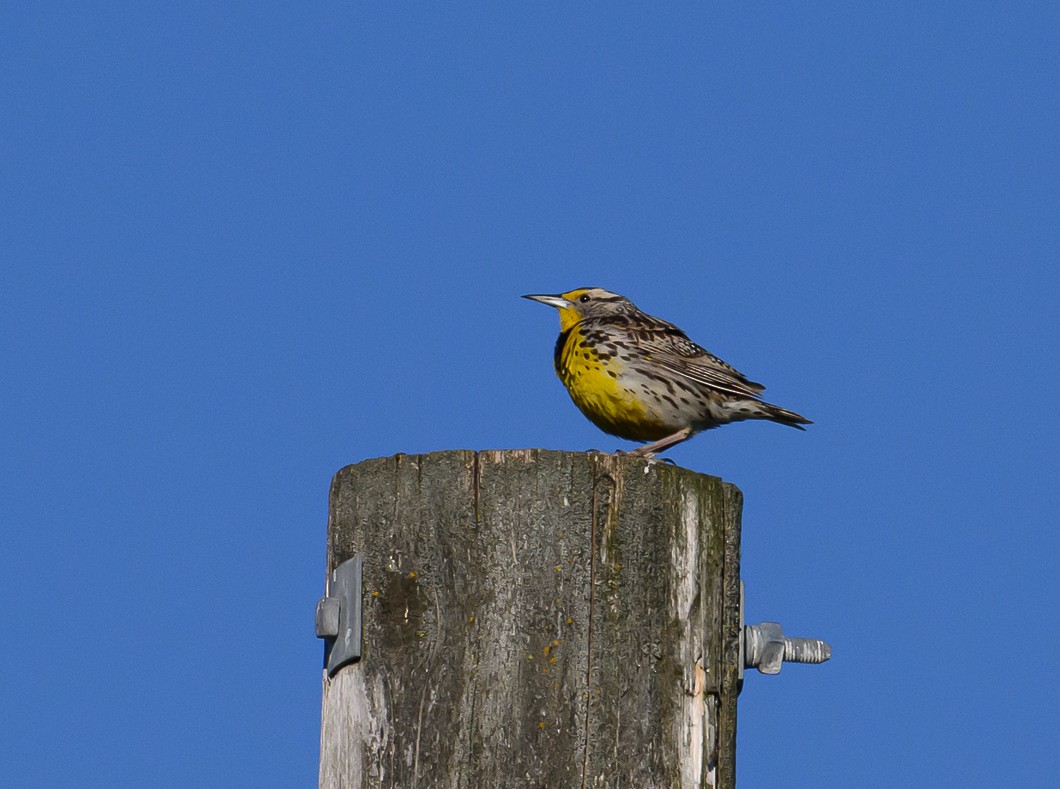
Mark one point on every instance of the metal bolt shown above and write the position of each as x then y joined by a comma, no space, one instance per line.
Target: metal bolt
766,649
327,619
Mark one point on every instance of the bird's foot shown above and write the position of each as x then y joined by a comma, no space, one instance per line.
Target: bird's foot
655,447
651,457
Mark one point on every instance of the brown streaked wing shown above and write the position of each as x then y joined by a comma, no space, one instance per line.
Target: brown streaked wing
672,350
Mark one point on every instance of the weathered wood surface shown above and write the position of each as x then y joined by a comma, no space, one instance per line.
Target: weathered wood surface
536,618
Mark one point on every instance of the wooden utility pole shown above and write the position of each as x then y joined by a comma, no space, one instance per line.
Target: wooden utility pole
536,619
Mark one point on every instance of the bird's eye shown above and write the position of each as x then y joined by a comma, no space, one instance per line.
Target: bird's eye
584,298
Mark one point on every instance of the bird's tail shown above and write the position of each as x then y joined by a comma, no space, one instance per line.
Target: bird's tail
782,415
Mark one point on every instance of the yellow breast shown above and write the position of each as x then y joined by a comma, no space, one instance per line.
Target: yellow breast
595,386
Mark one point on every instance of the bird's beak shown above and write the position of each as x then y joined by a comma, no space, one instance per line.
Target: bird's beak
553,301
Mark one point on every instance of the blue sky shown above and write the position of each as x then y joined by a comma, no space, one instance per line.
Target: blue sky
244,244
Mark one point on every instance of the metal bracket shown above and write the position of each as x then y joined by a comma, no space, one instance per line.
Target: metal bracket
338,619
765,648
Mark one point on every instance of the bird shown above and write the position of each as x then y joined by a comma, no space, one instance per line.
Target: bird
641,378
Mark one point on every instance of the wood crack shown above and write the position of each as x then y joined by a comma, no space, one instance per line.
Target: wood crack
589,635
475,482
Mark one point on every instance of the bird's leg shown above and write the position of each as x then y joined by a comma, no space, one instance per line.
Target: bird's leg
655,447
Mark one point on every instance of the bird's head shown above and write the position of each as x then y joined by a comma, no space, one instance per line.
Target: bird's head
577,305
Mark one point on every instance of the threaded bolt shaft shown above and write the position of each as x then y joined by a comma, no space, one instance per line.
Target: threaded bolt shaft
806,650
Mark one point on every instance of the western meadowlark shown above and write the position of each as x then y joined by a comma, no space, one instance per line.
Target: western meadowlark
639,377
